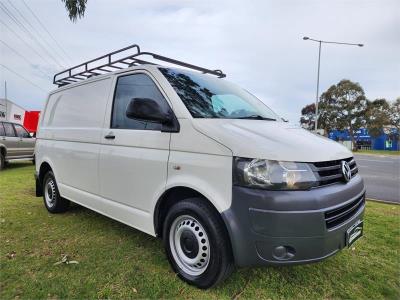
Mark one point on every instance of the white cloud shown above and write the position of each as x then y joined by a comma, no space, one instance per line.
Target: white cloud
258,44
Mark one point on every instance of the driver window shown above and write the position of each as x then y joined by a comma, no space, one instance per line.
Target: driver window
135,86
21,132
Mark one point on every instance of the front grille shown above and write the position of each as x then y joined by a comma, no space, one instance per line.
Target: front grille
331,171
337,216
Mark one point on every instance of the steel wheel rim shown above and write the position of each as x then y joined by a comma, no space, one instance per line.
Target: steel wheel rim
189,226
50,192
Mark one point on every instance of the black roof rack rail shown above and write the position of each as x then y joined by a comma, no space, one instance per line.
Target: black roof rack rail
84,71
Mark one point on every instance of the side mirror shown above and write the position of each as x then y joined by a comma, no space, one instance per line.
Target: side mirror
285,120
147,110
31,134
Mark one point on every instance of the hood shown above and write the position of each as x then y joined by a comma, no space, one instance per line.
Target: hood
271,140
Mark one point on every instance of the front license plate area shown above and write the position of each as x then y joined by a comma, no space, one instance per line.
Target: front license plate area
354,233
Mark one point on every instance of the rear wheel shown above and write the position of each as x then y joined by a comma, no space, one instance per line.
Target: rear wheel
52,199
197,244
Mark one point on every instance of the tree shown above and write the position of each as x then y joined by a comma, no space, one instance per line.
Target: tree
76,8
307,119
342,106
394,117
395,114
378,115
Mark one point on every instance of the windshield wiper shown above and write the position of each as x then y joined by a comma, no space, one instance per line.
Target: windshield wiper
257,117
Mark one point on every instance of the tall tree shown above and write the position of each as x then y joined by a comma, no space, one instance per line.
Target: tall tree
342,106
377,116
76,8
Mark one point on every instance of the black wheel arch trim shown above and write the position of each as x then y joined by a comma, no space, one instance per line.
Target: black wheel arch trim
44,168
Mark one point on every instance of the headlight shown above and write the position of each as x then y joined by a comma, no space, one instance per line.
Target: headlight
272,174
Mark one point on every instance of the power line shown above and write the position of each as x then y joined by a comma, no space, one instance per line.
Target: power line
24,58
27,80
45,29
36,31
23,40
31,36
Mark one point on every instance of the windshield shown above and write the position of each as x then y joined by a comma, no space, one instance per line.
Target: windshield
208,97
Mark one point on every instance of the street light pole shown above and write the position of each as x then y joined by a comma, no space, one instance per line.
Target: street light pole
319,66
316,98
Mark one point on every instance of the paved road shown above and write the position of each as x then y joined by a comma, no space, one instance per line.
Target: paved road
381,176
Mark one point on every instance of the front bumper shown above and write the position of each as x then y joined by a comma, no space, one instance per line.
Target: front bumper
290,227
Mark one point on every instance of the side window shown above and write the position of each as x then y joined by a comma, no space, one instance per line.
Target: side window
21,131
9,129
135,86
2,132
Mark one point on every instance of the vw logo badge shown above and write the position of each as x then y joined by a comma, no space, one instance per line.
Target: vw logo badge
346,171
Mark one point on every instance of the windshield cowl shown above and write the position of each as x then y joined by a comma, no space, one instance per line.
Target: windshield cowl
257,117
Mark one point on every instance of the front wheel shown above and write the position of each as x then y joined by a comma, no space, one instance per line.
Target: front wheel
197,244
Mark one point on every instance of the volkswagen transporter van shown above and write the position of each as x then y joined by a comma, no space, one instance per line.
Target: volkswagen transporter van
184,155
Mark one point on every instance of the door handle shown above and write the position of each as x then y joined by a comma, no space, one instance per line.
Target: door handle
110,136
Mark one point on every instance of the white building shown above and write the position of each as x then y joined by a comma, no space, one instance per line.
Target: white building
11,112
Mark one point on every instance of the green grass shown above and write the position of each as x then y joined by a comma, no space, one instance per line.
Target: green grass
379,152
116,261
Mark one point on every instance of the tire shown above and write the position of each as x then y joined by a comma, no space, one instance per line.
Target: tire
51,196
2,161
196,243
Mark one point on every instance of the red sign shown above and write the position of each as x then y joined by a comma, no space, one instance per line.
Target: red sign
31,120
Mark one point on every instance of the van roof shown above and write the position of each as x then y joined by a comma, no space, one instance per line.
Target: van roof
117,60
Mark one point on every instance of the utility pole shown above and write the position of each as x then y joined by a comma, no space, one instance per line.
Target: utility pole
5,96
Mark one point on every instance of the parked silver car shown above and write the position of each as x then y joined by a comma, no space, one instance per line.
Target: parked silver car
15,143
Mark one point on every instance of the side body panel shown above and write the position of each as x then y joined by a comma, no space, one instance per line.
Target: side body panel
70,132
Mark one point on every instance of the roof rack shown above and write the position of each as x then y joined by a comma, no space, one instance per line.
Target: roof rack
84,71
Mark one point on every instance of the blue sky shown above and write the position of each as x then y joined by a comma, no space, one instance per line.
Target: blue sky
258,44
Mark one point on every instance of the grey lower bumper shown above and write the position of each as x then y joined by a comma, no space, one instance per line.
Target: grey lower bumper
290,227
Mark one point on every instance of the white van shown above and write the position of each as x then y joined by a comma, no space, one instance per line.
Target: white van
197,161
